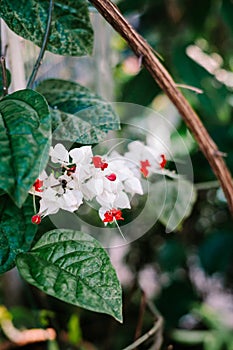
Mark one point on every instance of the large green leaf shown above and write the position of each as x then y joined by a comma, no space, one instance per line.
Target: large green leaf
179,199
77,113
72,266
24,141
71,32
16,231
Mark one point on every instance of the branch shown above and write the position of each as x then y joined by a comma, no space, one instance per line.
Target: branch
141,48
43,47
141,315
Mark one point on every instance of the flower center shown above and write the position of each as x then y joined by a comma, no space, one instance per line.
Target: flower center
144,167
71,170
99,163
163,161
112,214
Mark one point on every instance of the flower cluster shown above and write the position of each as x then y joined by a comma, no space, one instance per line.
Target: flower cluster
112,180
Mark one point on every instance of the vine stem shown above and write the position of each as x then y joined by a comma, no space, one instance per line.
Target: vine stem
43,48
156,327
4,76
143,51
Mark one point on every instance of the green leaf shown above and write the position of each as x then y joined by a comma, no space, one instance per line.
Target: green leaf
227,13
24,141
179,197
171,255
216,252
74,330
72,266
17,231
77,113
8,76
70,34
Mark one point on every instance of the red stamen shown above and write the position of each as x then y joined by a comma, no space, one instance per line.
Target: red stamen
37,185
163,161
36,219
111,177
112,214
99,163
71,170
104,166
144,165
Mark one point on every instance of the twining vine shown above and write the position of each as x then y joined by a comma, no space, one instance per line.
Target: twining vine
146,55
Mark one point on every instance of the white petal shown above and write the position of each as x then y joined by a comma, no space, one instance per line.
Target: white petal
133,186
81,155
49,203
51,181
87,191
122,200
59,154
70,201
135,146
102,211
98,185
106,199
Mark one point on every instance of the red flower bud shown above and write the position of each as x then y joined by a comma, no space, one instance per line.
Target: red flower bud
37,185
111,177
36,219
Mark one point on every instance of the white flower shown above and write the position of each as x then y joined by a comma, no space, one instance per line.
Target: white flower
111,180
147,159
120,166
113,200
52,201
82,155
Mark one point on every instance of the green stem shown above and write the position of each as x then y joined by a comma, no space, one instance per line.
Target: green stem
207,185
34,203
43,47
119,229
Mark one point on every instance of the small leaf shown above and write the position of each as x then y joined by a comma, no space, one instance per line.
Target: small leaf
77,113
17,231
72,266
24,141
179,197
70,32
